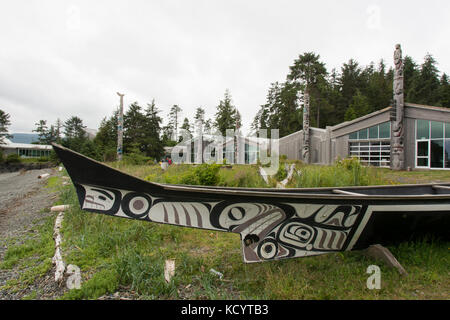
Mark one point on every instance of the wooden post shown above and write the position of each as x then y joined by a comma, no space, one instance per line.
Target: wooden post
306,145
120,129
397,136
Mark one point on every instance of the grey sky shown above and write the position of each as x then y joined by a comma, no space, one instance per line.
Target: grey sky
62,58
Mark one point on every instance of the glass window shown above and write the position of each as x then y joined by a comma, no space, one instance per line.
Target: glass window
437,130
422,162
385,130
422,149
437,153
362,134
353,135
447,153
373,132
447,130
423,129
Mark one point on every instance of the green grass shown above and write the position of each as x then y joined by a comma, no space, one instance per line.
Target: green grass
32,257
132,253
347,172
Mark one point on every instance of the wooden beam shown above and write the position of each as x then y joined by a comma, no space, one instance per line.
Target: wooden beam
348,193
441,187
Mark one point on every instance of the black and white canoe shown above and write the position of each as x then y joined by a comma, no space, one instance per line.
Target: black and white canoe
273,223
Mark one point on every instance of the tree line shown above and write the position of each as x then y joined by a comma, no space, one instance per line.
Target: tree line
353,91
144,134
335,96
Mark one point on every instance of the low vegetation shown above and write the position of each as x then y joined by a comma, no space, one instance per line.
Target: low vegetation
345,172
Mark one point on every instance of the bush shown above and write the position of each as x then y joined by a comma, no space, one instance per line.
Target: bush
204,174
54,157
241,176
349,163
12,158
346,172
90,149
135,157
43,159
2,159
110,155
281,173
207,174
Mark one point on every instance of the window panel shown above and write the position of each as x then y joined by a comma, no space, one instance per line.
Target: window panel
437,153
447,153
362,134
437,130
373,132
385,130
353,136
422,162
447,130
423,129
422,149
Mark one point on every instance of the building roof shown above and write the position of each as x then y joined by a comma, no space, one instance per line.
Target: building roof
310,128
11,145
415,105
407,104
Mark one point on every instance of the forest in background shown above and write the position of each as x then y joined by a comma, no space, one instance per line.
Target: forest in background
335,96
351,92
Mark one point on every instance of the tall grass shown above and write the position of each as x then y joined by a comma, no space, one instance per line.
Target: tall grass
347,172
209,175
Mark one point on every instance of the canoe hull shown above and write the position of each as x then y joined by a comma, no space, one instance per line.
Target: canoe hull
272,227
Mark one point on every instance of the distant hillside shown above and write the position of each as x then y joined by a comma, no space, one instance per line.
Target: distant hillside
24,137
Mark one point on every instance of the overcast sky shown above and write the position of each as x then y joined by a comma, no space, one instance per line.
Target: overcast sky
63,58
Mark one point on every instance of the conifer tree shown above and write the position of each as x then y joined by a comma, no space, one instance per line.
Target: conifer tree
4,124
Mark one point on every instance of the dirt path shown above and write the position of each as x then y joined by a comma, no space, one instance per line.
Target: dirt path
22,199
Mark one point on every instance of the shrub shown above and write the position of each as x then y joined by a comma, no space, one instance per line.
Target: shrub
12,158
204,174
207,174
281,173
346,172
241,176
43,159
135,156
349,163
110,155
54,157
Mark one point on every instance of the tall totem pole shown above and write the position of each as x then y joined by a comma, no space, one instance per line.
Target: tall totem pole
305,149
120,129
397,137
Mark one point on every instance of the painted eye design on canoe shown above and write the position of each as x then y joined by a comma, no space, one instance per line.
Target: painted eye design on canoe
268,249
136,205
296,234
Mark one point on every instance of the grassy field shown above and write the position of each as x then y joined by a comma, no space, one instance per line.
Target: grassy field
119,254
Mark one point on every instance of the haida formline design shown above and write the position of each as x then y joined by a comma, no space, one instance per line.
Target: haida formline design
273,223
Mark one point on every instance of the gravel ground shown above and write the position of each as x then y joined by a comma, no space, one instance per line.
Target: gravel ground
22,198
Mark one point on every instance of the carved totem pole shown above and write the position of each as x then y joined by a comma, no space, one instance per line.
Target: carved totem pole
120,129
397,143
305,149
